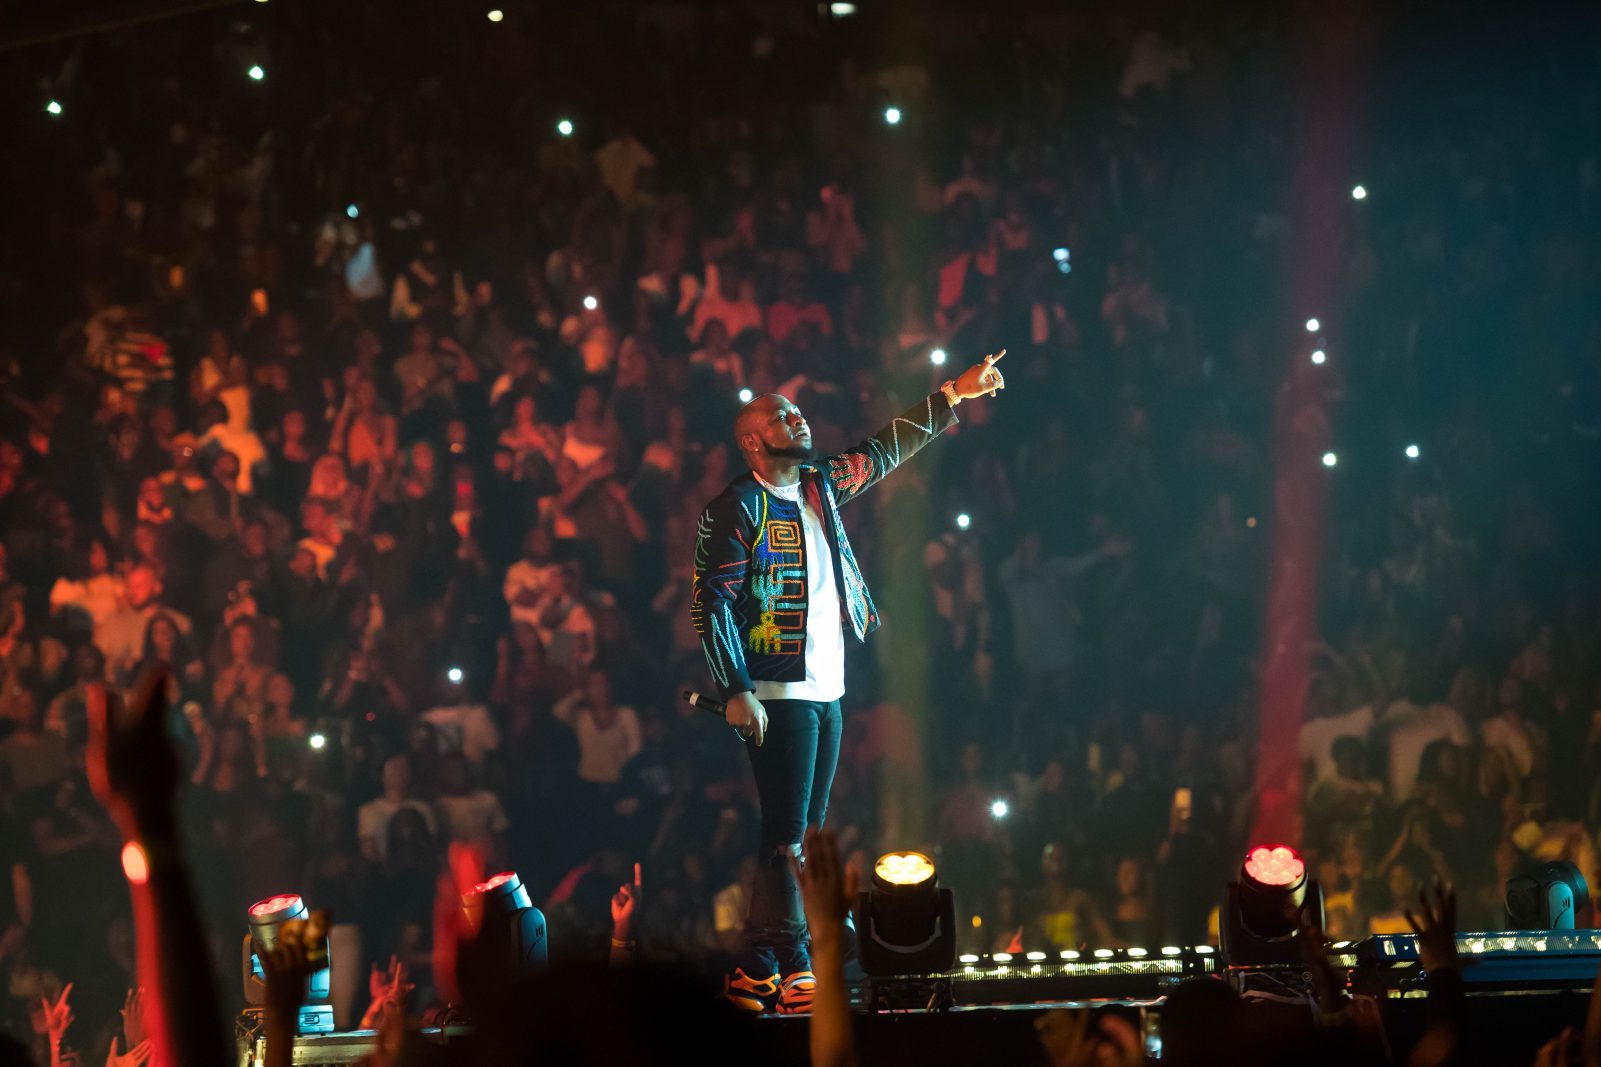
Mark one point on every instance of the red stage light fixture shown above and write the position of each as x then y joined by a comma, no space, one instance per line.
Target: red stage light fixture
266,918
502,914
1262,910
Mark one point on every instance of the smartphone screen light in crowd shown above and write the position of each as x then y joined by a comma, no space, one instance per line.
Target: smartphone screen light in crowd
454,674
937,357
840,9
1359,192
892,115
590,303
999,808
963,521
256,73
745,396
1064,260
353,211
565,127
496,14
1412,452
1330,459
53,107
1313,326
1320,357
317,741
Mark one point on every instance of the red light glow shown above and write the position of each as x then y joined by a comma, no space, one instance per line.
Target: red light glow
281,902
134,863
496,882
1274,865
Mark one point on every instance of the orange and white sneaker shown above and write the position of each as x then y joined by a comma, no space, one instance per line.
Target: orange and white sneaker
755,995
798,990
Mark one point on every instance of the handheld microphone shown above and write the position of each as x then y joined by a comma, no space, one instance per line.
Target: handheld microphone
701,700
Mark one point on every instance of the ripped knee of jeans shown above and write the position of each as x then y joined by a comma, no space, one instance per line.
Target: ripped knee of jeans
780,855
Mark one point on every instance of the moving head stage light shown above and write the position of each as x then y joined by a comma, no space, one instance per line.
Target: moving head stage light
1263,908
1551,898
502,914
906,922
267,918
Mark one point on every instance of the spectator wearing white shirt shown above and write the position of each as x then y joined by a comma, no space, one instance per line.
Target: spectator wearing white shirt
462,725
1411,727
532,580
372,818
1518,741
466,815
608,735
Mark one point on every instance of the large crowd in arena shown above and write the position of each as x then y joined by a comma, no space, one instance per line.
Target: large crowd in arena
378,397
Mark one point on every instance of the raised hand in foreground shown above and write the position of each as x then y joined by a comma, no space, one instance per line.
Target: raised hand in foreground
1435,927
132,767
827,891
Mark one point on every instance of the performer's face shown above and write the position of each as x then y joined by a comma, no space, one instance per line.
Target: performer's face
779,428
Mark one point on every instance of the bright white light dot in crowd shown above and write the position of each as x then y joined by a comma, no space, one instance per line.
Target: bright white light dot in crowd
1061,255
1359,192
256,73
937,357
565,127
1319,357
590,303
1312,325
745,396
963,521
496,15
1411,451
353,211
1330,459
892,115
841,10
317,740
54,107
999,809
454,674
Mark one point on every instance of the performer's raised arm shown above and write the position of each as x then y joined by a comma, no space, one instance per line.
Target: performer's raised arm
855,470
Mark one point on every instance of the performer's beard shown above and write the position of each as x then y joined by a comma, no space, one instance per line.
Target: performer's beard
804,453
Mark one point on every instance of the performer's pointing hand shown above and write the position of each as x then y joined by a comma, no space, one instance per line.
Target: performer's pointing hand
981,379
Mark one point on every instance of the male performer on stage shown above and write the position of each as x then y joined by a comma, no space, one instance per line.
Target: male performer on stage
776,587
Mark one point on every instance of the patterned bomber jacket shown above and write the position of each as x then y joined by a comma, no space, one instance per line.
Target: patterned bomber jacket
749,597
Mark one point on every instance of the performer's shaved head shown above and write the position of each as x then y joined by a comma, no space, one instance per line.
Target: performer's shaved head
761,408
778,426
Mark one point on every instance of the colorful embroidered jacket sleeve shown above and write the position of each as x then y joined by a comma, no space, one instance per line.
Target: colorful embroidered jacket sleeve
853,471
722,558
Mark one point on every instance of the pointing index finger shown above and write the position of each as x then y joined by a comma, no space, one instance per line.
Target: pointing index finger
990,360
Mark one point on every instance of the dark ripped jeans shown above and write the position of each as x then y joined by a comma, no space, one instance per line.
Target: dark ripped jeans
794,769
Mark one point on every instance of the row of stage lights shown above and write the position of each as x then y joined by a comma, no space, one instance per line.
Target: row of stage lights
906,926
499,912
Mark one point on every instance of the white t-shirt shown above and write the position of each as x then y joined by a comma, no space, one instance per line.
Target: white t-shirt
372,821
465,728
602,753
1318,736
541,579
1413,729
473,818
1518,739
825,636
